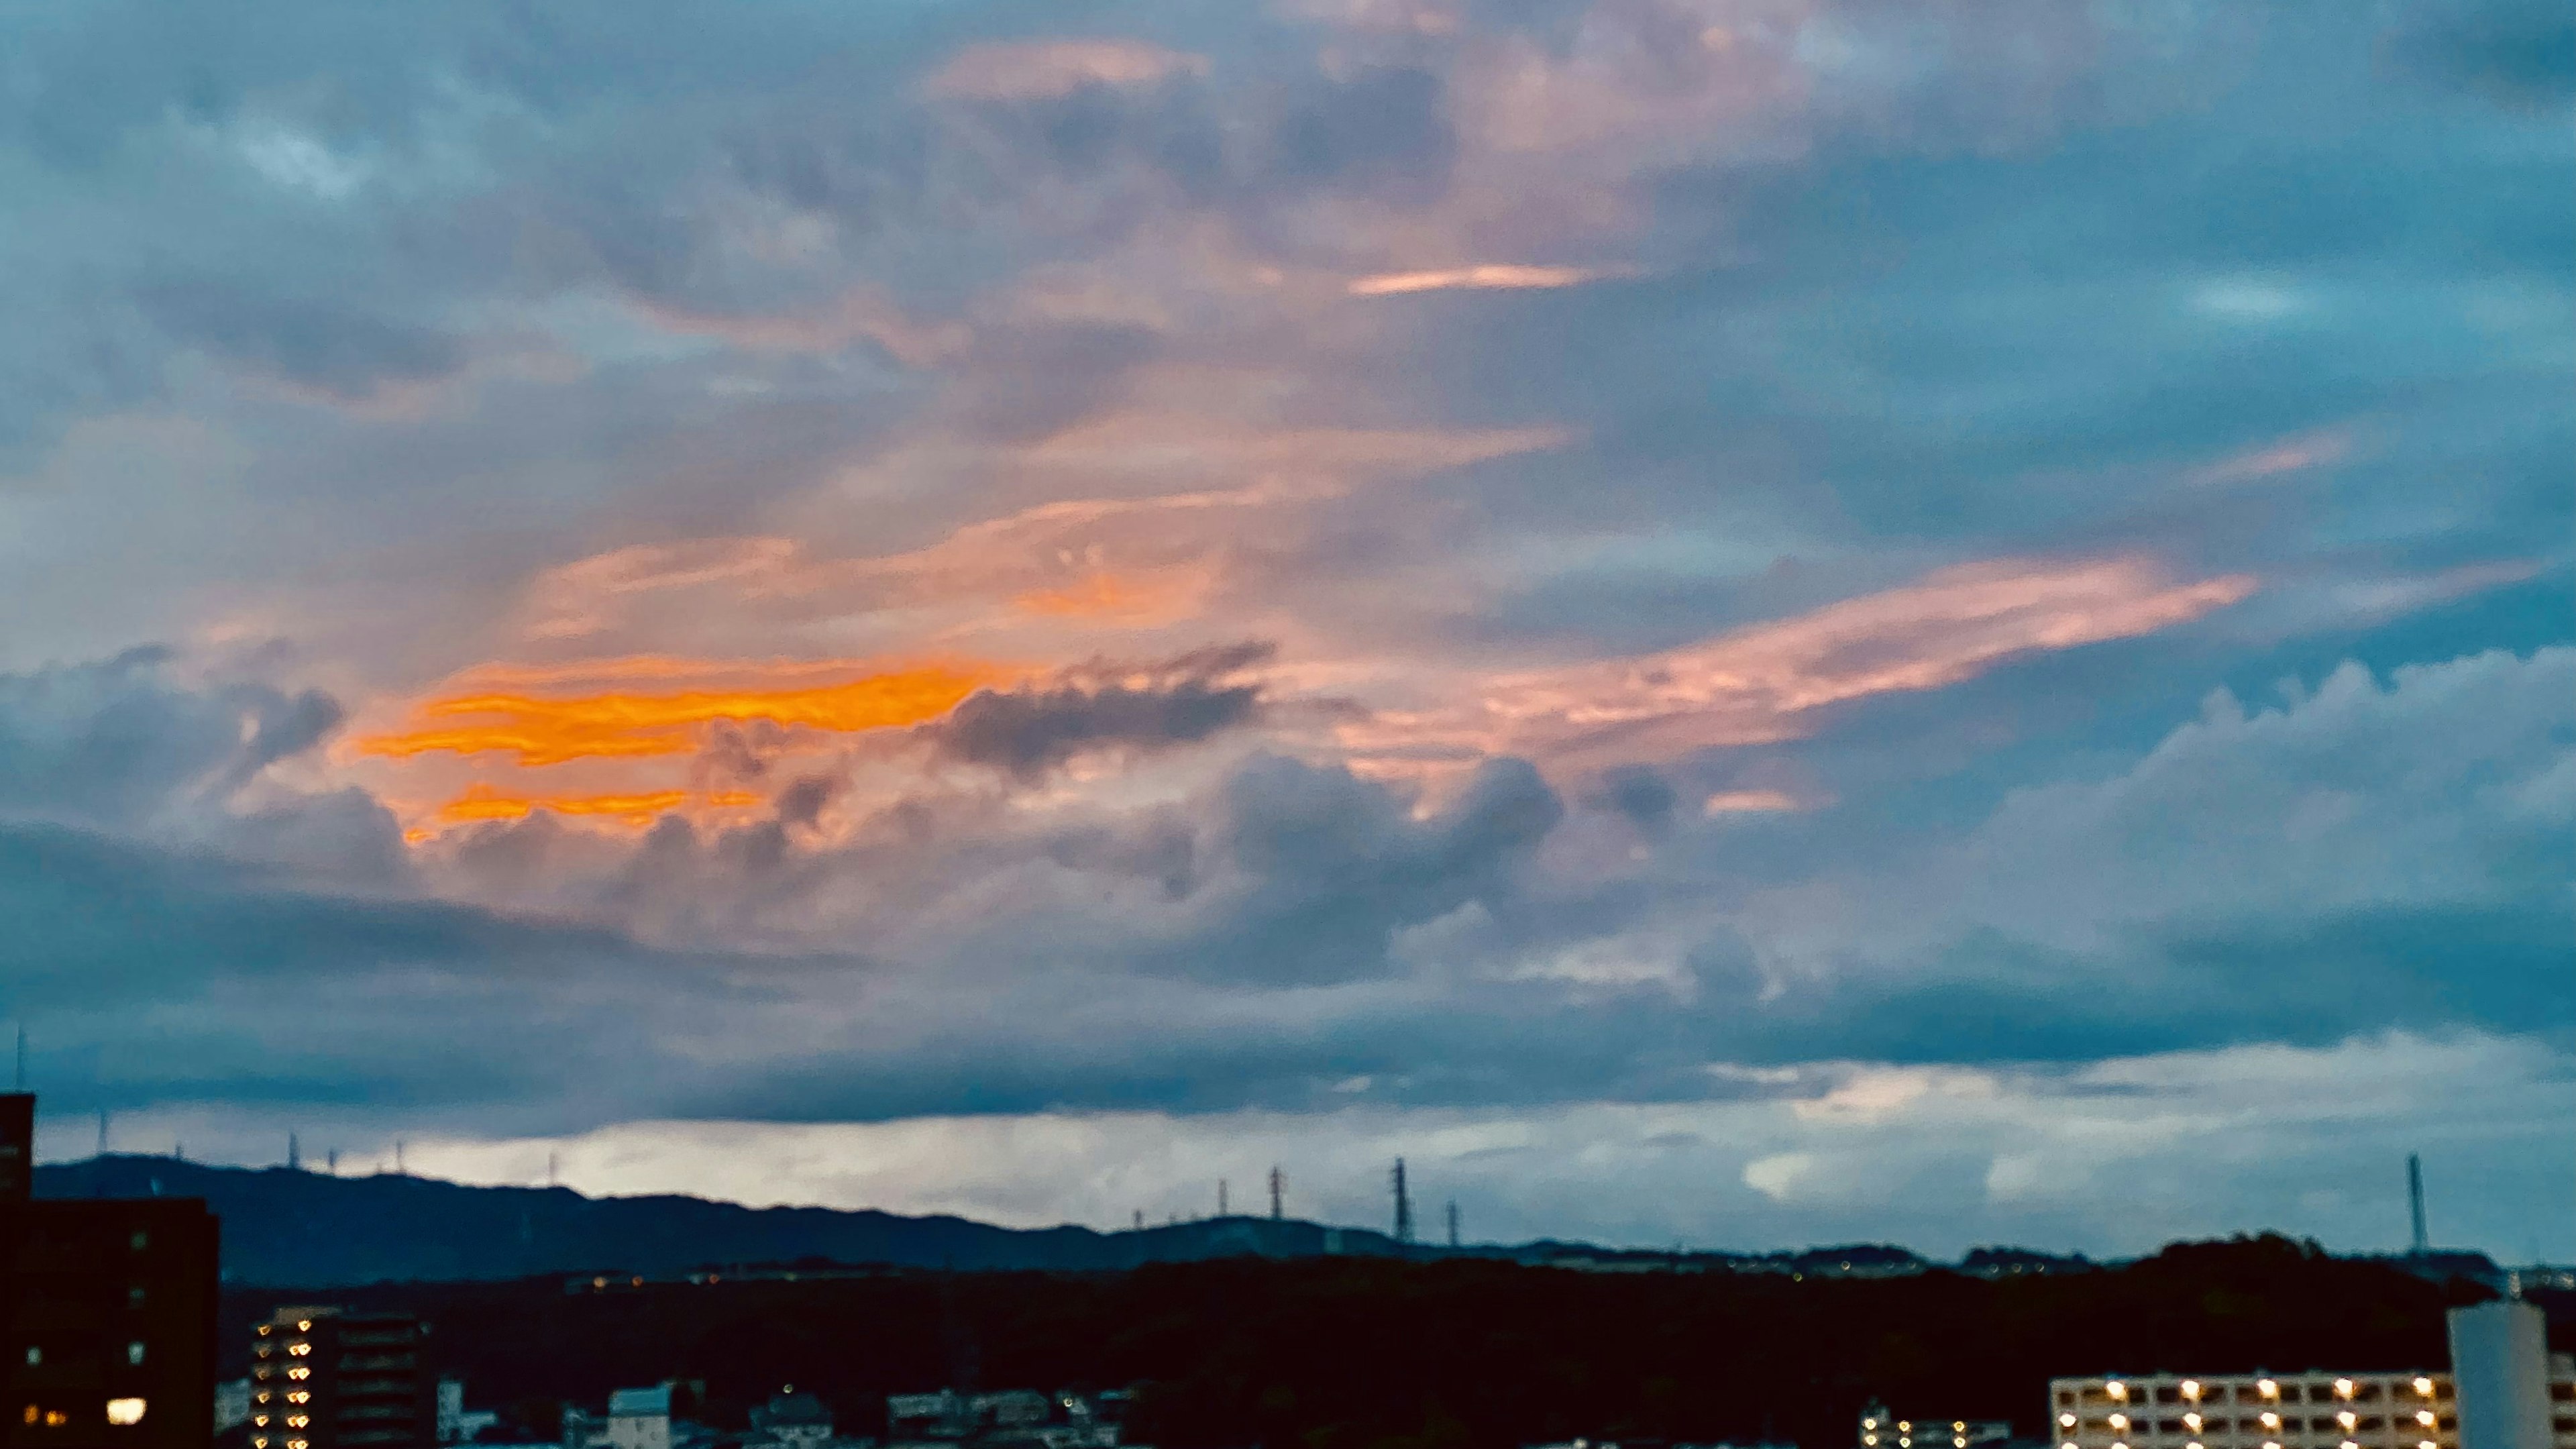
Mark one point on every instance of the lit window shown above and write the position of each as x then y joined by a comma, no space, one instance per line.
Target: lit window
304,1325
2424,1417
56,1418
2191,1422
31,1413
134,1352
299,1350
2271,1390
2347,1418
35,1354
2116,1389
2119,1421
263,1396
297,1421
125,1411
299,1396
1869,1423
259,1421
2191,1389
2424,1387
263,1330
299,1372
2271,1421
2343,1388
2066,1421
259,1442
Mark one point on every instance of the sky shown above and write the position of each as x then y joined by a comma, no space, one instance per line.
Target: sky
1729,622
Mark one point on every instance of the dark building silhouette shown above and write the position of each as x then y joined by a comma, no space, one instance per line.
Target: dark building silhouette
325,1378
108,1310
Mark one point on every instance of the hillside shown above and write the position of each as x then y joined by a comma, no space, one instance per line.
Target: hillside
311,1230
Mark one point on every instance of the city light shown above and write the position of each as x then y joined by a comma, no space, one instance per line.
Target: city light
2191,1389
125,1411
2424,1417
2271,1389
2066,1421
2343,1388
2424,1387
2116,1389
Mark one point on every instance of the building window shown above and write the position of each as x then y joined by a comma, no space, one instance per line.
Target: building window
125,1411
35,1355
134,1352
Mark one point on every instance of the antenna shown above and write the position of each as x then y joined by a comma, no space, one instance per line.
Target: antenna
1453,1222
1278,1185
1403,1206
1140,1220
1220,1198
294,1154
2415,1201
331,1160
102,1131
398,1163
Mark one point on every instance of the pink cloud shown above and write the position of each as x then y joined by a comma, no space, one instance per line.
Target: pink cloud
1773,681
1044,69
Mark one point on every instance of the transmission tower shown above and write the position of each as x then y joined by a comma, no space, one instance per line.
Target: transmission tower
1453,1222
294,1154
1403,1206
2415,1201
1278,1185
1220,1198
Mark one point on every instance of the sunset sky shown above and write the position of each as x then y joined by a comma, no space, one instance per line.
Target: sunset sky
1739,622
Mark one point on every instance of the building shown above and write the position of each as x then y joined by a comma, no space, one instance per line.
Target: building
108,1305
326,1378
791,1420
639,1418
2500,1360
232,1404
2312,1410
1880,1429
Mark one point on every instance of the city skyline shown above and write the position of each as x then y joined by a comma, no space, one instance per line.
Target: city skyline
1732,621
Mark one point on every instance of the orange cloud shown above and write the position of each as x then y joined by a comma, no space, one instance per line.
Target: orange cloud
483,802
1491,276
545,730
1769,682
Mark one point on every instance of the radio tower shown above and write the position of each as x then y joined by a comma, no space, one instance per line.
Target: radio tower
1403,1206
2415,1201
1278,1185
1220,1198
294,1154
1453,1222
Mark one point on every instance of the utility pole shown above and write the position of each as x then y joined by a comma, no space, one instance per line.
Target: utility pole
1220,1197
1453,1222
1403,1206
2415,1201
1278,1185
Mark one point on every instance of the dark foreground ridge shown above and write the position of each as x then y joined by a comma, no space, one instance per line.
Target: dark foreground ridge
1378,1353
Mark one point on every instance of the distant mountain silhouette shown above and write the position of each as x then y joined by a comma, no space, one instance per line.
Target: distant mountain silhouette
307,1229
288,1228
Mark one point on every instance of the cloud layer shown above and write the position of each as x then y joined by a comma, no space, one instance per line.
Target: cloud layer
1754,622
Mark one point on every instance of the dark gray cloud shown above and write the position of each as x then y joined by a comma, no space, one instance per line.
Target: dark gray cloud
1028,731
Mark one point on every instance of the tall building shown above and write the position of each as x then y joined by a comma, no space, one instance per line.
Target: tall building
325,1378
2312,1410
2500,1359
108,1310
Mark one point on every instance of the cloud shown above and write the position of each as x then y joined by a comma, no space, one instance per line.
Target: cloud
2201,1144
549,729
1489,276
1027,731
1769,682
1048,69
